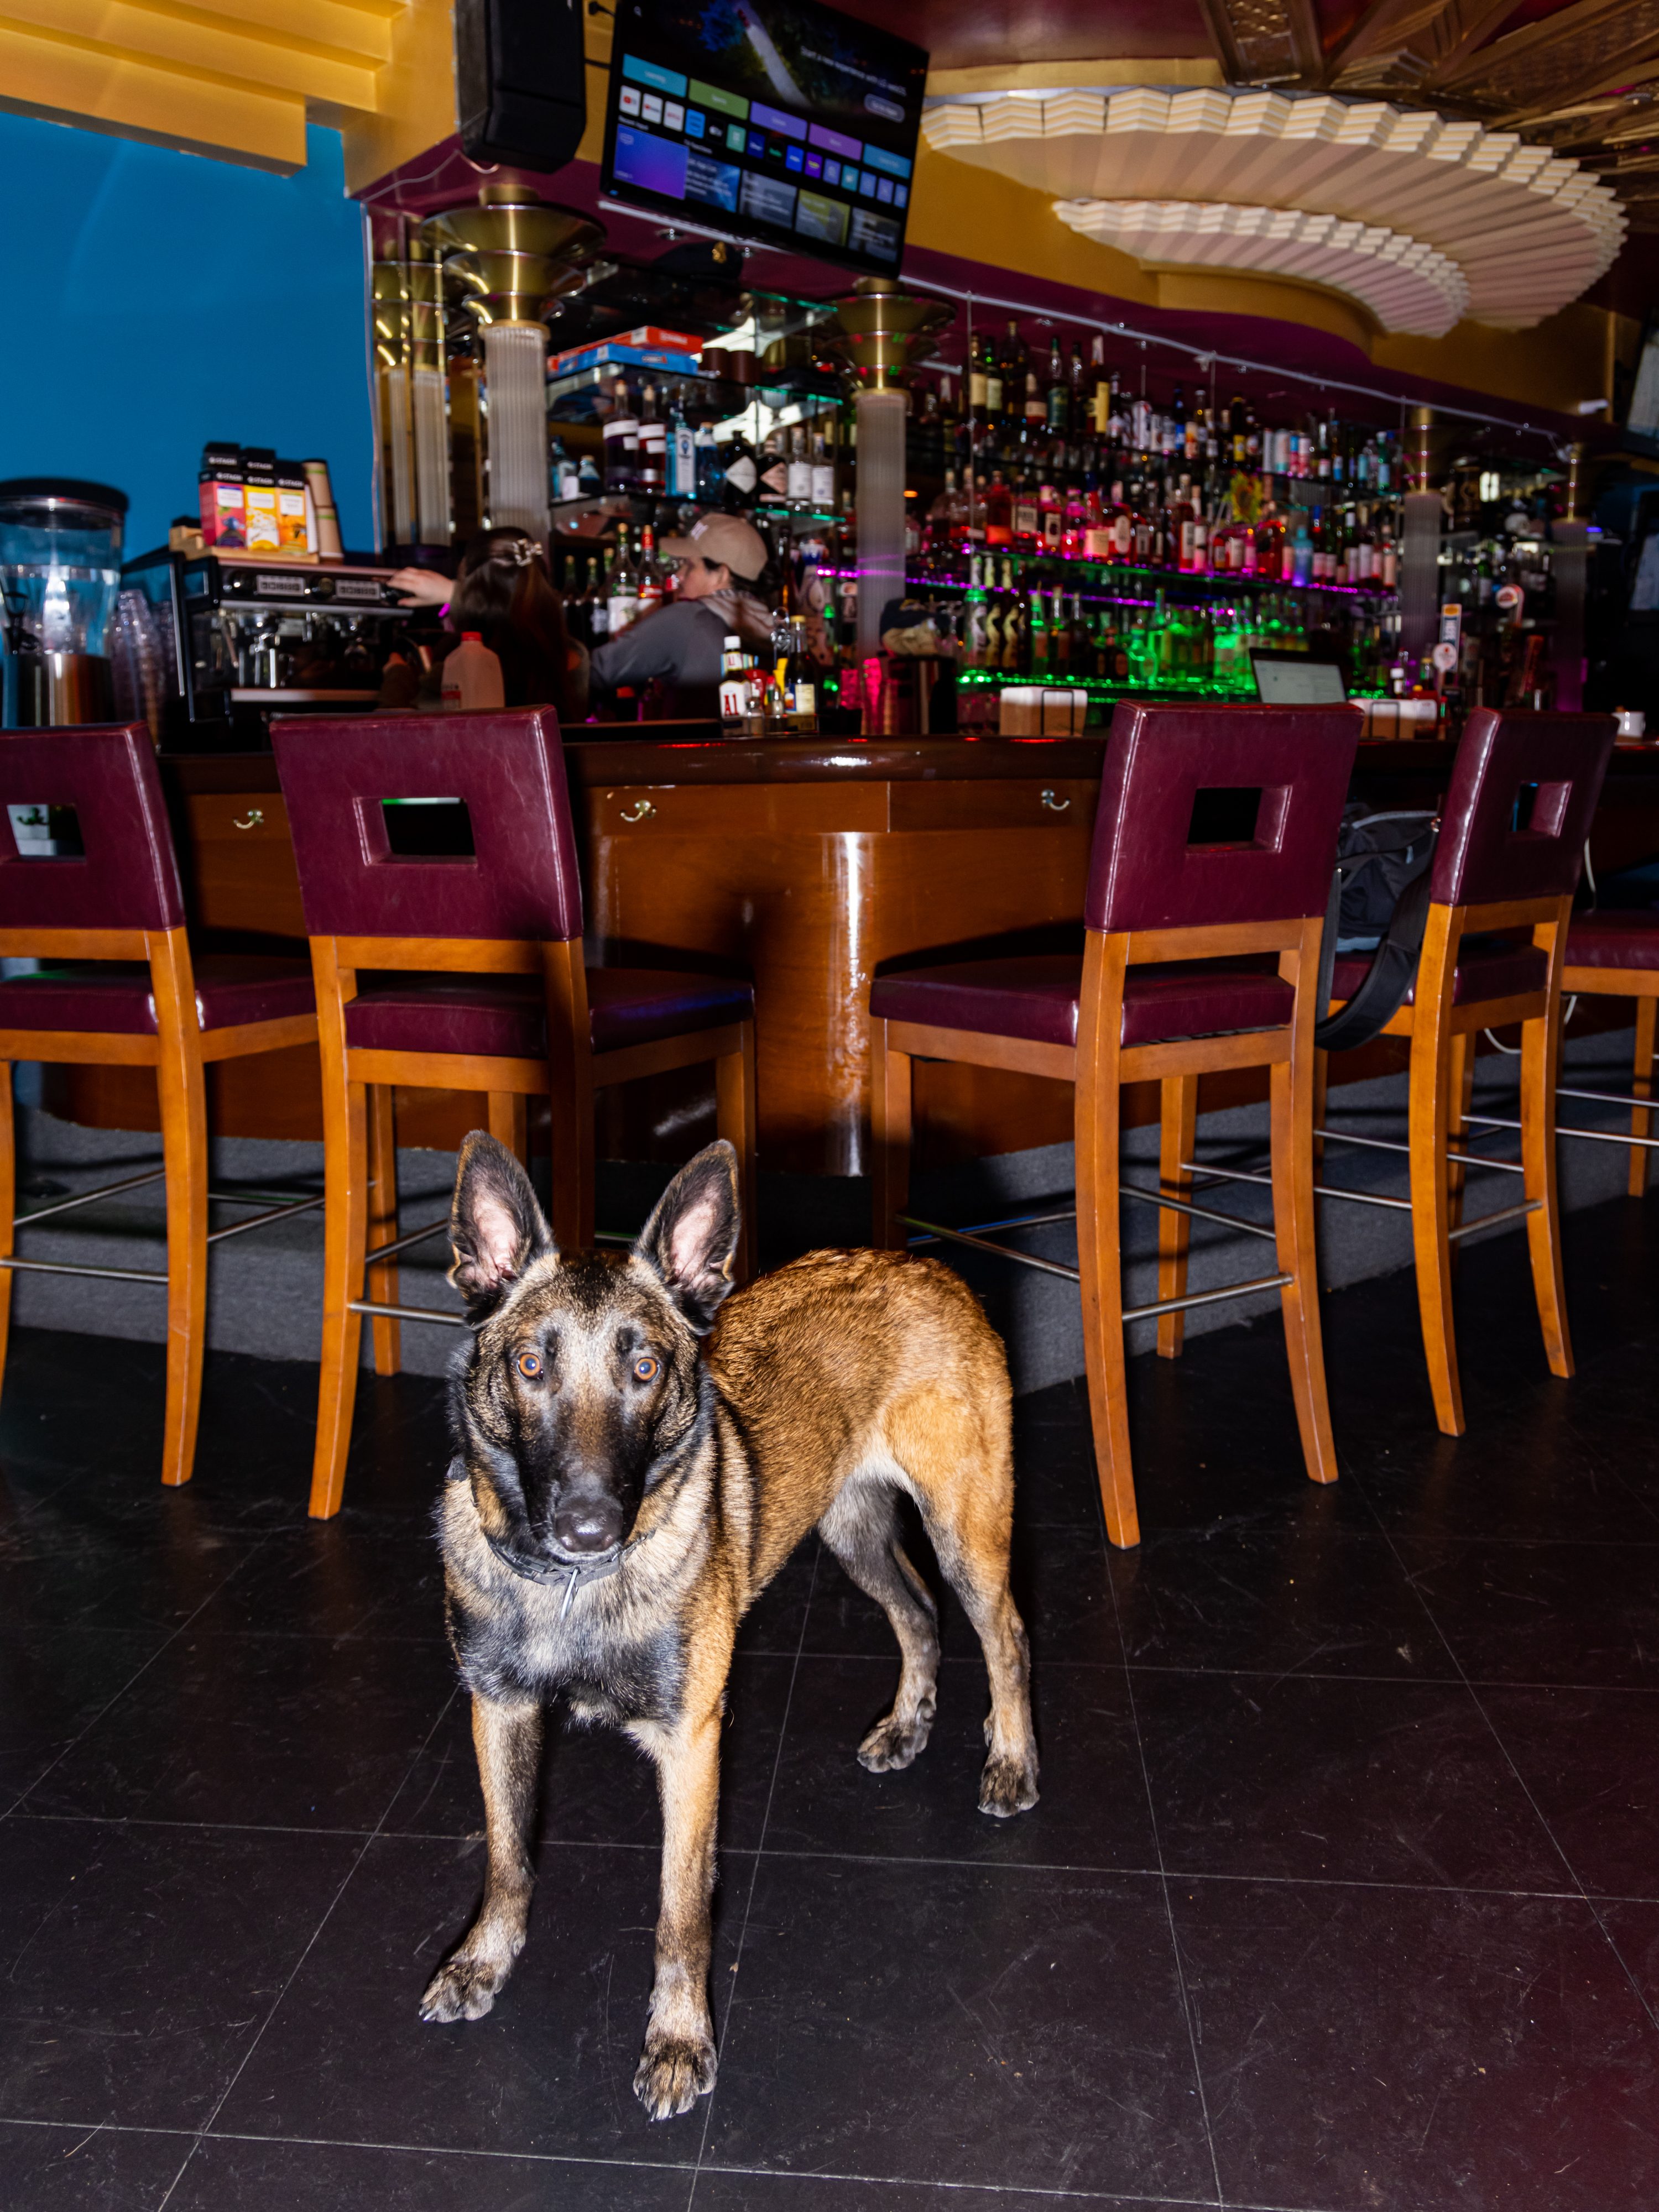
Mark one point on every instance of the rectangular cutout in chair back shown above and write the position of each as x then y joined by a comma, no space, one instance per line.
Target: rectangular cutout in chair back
428,830
1247,817
46,833
1541,809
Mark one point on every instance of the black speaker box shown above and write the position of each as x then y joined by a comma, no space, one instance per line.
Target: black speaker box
520,81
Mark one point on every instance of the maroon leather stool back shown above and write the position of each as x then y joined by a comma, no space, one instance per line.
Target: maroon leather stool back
1146,873
1481,857
506,767
129,877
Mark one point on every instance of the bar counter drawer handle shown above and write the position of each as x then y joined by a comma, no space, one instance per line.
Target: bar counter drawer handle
256,815
1057,806
642,813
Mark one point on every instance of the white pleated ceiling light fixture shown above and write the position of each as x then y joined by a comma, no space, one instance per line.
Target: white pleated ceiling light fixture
1429,220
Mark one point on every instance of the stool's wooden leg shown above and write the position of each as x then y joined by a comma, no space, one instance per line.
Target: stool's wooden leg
1540,1071
1461,1078
1291,1088
890,1095
345,1230
570,1097
508,1113
1641,1121
734,1119
1429,1113
383,1224
181,1084
1099,1241
7,1206
1177,1131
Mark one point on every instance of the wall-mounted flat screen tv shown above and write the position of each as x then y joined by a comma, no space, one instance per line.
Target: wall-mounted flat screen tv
774,122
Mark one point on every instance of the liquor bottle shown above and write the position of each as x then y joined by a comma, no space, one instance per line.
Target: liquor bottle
1100,388
773,471
681,451
564,476
622,588
824,474
622,442
599,610
734,686
652,476
649,592
798,477
1014,364
1037,634
999,512
741,480
1027,516
974,637
1058,410
994,395
1077,395
978,405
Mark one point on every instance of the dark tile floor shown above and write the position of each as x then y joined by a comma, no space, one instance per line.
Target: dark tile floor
1343,1894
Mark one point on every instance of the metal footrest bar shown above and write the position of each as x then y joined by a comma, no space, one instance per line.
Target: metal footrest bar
1072,1275
984,1244
86,1198
1383,1145
1204,1298
1321,1189
1012,1221
1591,1136
1199,1213
101,1274
402,1243
1491,1220
1606,1097
406,1313
258,1220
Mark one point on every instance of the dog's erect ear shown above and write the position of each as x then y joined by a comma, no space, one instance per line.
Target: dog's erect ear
495,1226
691,1239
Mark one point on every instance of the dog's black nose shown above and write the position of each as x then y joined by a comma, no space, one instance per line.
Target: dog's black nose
587,1524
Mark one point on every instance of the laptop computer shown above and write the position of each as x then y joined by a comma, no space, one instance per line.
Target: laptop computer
1298,679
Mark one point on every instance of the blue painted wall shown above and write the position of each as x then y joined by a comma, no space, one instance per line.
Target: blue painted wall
157,300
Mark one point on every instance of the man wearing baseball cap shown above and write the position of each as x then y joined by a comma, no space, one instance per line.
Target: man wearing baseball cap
720,559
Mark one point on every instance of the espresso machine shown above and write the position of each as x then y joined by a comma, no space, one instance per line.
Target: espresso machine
208,649
60,572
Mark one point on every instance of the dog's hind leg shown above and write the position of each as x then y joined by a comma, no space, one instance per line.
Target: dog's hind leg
861,1530
508,1741
960,1462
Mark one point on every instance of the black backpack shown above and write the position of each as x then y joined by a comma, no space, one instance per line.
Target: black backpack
1380,897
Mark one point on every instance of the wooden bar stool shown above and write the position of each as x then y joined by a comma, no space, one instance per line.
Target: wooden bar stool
1201,952
1616,956
122,989
466,972
1524,788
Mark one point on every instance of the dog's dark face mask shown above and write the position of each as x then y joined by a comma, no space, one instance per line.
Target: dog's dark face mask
584,1373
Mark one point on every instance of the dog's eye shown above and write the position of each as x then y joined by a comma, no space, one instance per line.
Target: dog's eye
645,1368
530,1366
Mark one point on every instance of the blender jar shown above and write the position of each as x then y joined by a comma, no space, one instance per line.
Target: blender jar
60,572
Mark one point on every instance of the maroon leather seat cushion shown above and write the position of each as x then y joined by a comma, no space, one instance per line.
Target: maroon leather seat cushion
1487,968
1037,998
111,995
1615,940
502,1016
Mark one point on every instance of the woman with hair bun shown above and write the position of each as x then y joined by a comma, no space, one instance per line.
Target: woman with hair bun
505,593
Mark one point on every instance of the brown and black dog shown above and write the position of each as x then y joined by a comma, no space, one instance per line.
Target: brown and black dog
629,1478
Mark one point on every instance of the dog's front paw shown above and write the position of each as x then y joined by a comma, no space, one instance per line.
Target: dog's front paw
673,2072
892,1743
1008,1786
464,1988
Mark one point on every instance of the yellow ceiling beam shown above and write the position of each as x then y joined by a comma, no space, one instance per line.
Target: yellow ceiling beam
414,96
187,38
348,26
69,80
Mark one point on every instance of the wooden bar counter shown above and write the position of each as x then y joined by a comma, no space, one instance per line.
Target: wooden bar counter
807,864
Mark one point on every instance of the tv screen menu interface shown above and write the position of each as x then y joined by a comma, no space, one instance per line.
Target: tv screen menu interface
776,120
